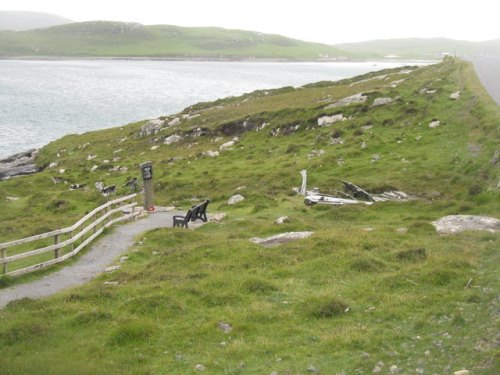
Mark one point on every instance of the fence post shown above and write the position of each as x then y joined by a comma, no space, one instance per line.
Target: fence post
56,241
4,266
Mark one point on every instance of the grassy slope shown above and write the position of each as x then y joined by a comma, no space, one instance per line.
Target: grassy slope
109,39
419,48
287,305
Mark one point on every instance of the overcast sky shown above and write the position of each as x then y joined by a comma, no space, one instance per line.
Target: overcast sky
325,21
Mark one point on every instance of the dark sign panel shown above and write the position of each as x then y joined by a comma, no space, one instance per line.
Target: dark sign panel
147,172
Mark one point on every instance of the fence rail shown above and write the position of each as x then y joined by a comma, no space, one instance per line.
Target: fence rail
102,218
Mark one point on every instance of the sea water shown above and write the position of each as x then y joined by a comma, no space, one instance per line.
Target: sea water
41,101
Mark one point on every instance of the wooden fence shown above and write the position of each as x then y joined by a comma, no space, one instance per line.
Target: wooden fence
78,236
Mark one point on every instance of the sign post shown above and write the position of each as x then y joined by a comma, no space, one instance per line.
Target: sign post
147,178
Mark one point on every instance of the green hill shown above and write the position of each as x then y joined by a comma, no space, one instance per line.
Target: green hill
118,39
420,48
374,290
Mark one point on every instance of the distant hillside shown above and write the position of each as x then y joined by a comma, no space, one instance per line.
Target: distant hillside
118,39
20,20
419,48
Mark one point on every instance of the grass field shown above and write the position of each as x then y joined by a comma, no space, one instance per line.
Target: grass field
374,289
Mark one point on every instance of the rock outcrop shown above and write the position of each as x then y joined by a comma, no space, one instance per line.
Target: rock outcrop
151,127
353,99
281,238
458,223
235,199
19,164
382,101
329,120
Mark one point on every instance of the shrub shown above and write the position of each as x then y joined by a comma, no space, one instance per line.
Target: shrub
325,307
475,189
86,317
258,286
366,265
412,255
22,332
131,333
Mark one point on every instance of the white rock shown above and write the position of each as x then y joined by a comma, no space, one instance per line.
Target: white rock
336,141
356,98
363,145
200,367
94,168
235,199
53,164
396,82
106,161
457,223
217,217
151,127
455,95
461,372
155,148
226,146
61,171
12,199
90,157
211,154
225,327
378,367
394,369
434,124
282,220
175,121
382,101
281,238
313,369
112,268
329,120
172,139
315,153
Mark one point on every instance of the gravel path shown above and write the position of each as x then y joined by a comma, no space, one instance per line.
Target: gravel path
103,253
488,71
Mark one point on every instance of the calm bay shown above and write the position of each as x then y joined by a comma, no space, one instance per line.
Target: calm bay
41,101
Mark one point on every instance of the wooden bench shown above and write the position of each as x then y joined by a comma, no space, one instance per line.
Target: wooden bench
200,211
182,221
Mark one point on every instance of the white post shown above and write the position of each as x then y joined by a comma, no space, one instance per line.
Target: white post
304,182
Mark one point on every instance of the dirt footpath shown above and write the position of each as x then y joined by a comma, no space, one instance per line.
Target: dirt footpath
102,254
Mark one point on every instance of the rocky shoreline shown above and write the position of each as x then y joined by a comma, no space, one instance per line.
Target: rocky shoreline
19,164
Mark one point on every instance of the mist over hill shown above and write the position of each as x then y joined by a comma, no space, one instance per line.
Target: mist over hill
421,48
23,20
